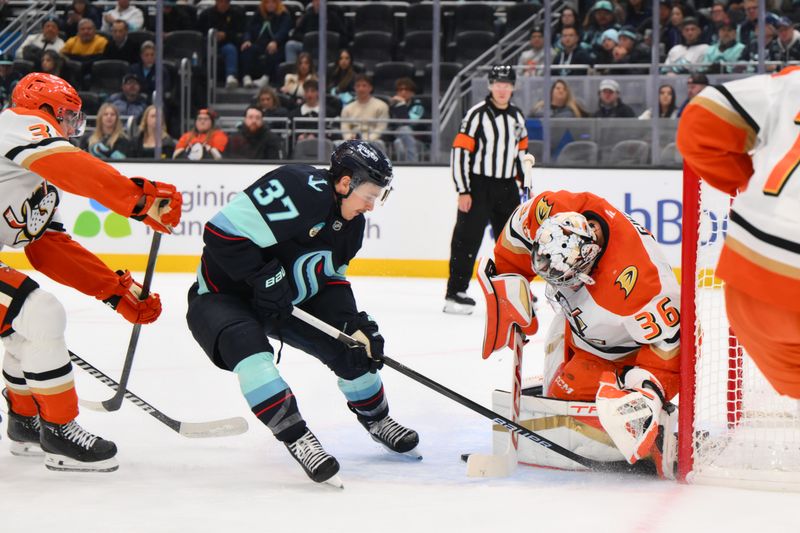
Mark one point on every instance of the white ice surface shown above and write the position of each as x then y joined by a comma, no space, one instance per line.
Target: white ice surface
168,483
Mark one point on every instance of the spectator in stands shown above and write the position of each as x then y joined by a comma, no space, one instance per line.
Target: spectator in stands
253,139
177,17
405,105
726,50
794,12
672,34
293,81
609,39
667,107
562,103
691,51
697,82
145,144
341,82
364,107
747,28
310,22
124,11
229,22
108,140
5,14
87,45
309,110
52,63
718,17
264,42
36,43
601,17
533,56
788,41
637,13
8,79
570,54
130,101
145,70
79,10
637,52
567,19
610,103
771,49
203,141
310,106
120,47
268,102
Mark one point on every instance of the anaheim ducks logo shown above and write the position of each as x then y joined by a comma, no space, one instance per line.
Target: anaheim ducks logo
543,208
627,280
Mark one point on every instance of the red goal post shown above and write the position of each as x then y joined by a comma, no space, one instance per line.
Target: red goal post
733,428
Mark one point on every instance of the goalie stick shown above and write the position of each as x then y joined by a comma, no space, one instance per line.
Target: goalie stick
115,402
466,402
212,428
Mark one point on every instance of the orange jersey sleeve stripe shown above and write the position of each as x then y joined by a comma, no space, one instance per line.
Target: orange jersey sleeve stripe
714,141
464,141
64,260
79,173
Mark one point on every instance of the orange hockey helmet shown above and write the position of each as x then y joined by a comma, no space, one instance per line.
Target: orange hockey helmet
37,89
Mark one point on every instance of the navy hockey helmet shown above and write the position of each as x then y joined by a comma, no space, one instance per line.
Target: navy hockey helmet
504,73
364,163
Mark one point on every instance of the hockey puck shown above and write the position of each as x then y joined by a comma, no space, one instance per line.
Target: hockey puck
465,456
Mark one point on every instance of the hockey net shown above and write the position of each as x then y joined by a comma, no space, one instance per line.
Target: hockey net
734,429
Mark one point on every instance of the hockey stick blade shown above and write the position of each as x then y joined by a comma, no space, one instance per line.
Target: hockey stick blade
197,430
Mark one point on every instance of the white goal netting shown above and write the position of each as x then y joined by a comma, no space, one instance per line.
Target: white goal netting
743,433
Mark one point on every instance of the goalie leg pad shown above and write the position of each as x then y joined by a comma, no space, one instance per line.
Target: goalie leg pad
509,303
633,412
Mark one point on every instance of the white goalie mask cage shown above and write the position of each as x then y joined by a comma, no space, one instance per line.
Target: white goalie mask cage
564,250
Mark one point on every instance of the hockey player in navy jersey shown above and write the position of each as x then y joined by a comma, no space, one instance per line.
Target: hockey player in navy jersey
287,240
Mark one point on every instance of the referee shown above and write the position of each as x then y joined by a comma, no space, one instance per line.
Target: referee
486,158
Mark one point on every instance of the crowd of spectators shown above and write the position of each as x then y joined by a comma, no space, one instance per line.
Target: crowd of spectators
265,51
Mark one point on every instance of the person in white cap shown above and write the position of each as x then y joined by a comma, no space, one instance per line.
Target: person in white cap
610,102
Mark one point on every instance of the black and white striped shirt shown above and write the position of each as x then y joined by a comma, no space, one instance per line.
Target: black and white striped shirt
490,143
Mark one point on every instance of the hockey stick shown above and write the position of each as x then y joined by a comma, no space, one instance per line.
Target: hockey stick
466,402
503,465
212,428
528,162
115,402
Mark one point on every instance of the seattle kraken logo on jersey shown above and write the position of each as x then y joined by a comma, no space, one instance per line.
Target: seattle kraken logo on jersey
311,268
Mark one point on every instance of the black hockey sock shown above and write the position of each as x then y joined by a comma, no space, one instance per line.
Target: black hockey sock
281,415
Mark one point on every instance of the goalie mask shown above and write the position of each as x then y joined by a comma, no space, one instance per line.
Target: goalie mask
564,250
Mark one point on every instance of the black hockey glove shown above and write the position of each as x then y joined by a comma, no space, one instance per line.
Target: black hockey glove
368,357
272,293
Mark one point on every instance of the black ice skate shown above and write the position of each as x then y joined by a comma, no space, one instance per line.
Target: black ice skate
23,432
458,304
68,447
318,464
393,436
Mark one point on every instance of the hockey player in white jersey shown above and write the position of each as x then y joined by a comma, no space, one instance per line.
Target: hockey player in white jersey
37,163
743,138
617,340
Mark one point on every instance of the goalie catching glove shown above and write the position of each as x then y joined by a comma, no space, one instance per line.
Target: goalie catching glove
635,414
369,355
159,206
127,301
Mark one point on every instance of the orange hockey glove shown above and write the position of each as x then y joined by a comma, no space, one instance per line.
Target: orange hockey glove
160,205
126,301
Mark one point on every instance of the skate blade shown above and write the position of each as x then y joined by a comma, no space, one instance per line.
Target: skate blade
454,308
413,454
65,464
25,449
334,481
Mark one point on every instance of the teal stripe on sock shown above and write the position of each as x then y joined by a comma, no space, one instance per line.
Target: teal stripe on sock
259,379
360,388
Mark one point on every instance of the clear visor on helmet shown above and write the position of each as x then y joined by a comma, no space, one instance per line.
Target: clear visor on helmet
372,193
74,123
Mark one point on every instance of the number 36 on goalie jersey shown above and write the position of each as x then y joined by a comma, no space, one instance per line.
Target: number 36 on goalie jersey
634,300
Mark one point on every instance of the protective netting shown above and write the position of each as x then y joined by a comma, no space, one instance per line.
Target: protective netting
744,432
